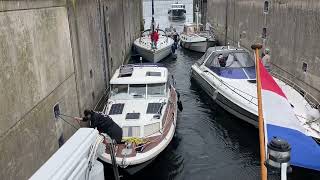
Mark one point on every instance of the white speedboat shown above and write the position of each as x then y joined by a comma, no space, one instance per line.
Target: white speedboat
195,38
162,49
228,76
143,102
177,11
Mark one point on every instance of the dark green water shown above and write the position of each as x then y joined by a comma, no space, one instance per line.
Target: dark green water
209,142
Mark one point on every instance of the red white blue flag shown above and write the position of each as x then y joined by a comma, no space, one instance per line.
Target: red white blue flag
280,121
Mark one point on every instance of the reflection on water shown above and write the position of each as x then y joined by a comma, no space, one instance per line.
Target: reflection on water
209,142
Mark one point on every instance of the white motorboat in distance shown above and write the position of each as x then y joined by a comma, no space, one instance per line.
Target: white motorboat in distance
228,76
177,11
143,46
143,102
195,38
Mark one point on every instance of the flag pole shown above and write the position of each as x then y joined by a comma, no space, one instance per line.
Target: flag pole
257,47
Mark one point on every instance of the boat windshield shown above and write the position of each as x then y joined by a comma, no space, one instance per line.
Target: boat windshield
233,65
204,57
230,60
178,6
137,90
119,90
156,90
125,91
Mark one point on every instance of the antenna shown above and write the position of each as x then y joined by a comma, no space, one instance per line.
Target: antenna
152,21
197,16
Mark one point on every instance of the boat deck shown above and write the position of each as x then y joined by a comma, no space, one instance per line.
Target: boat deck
152,141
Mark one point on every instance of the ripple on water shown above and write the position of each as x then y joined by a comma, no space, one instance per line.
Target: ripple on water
209,142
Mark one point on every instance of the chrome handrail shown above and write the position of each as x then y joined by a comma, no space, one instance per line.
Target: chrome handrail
234,90
313,102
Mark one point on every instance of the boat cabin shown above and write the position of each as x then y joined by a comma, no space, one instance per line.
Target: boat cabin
191,28
138,99
134,82
229,62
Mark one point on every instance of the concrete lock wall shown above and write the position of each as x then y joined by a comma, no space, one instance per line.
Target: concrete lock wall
292,34
55,51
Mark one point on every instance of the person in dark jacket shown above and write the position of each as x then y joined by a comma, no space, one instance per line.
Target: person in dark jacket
103,123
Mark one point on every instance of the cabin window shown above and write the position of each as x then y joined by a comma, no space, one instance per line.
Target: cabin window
119,89
156,89
266,7
137,90
131,131
150,73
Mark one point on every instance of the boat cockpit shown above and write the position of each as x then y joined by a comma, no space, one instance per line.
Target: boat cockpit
232,64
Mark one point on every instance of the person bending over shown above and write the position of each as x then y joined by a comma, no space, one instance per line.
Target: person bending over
103,123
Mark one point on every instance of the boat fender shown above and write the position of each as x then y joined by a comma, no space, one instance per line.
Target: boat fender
127,150
173,49
215,95
179,103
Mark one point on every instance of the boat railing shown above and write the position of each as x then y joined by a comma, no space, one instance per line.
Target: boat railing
252,99
149,30
307,96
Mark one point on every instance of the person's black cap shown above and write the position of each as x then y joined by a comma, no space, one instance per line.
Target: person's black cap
87,112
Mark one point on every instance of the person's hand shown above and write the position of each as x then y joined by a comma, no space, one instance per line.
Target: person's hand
78,119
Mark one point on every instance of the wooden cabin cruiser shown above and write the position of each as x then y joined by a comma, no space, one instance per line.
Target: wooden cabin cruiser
228,76
195,38
177,11
159,51
143,102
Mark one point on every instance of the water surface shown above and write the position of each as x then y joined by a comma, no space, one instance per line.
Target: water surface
209,142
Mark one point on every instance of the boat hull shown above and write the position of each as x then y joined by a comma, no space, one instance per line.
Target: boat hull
153,55
177,17
200,46
223,101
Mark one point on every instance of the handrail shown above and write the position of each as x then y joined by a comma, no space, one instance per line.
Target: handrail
313,102
234,90
142,32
